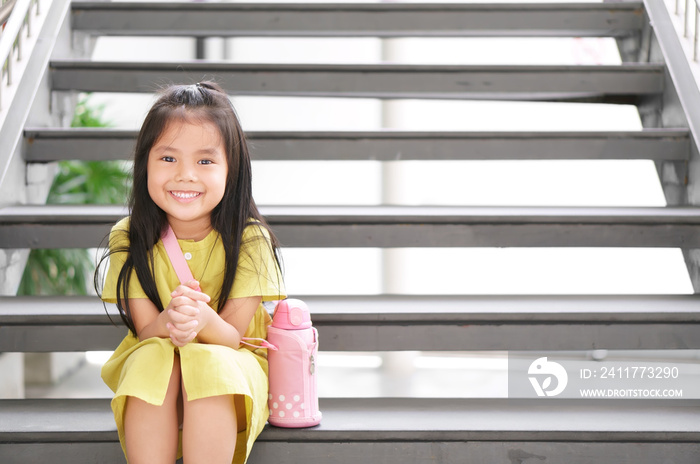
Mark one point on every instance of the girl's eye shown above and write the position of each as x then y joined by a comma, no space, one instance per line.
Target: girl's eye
205,161
168,159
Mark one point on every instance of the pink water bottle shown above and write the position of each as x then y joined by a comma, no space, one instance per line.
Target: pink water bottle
293,398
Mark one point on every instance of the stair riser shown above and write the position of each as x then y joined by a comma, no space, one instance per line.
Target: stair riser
387,453
474,453
380,20
496,147
62,453
396,235
397,337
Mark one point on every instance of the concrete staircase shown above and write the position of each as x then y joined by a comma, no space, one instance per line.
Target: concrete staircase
654,77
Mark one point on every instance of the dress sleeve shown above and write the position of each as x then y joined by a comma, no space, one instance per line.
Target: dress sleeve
258,273
118,247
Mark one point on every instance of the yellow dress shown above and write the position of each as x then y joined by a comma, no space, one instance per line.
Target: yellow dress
142,369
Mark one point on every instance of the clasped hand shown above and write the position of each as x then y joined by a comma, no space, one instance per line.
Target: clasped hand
187,313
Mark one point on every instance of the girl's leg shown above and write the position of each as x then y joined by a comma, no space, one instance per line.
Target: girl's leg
152,432
209,430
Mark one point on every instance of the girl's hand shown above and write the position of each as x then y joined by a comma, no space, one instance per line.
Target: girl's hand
188,313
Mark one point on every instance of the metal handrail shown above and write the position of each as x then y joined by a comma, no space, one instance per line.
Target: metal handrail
6,10
15,28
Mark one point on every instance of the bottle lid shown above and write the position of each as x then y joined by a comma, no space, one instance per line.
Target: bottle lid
292,314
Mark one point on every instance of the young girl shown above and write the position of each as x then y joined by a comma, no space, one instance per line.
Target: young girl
184,384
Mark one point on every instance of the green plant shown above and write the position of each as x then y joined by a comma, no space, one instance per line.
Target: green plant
68,271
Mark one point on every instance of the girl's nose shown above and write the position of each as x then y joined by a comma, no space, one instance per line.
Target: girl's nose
186,172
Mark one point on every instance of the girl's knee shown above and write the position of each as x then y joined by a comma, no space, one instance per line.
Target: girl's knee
227,408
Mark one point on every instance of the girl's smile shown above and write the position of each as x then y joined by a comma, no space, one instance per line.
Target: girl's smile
187,170
185,196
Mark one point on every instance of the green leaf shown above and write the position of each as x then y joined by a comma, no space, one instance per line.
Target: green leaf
68,271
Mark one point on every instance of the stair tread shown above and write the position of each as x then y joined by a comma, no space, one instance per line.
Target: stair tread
415,419
391,322
381,19
509,82
83,226
378,309
382,214
359,67
45,145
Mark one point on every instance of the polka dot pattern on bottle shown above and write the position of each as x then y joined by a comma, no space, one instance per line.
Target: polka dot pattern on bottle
281,407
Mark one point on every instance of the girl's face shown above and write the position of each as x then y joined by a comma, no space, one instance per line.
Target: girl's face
187,171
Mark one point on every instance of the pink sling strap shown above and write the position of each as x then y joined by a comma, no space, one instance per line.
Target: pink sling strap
177,259
184,274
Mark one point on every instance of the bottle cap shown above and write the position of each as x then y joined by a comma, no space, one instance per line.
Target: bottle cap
292,314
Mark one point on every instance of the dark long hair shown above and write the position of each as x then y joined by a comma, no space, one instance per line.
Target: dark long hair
204,101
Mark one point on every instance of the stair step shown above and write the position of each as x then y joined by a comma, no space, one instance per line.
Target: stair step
82,226
392,322
375,20
607,83
395,431
46,145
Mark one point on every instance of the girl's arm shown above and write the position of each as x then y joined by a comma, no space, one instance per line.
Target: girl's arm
150,323
228,327
147,320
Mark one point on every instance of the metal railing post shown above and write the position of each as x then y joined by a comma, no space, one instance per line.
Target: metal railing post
695,39
17,26
685,16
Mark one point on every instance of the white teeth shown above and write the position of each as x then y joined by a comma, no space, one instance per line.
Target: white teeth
185,195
